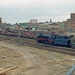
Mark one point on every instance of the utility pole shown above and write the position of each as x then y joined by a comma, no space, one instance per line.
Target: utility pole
18,33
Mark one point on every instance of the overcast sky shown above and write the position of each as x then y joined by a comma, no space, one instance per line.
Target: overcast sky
12,11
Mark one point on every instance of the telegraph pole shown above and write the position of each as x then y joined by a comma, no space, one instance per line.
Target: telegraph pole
18,33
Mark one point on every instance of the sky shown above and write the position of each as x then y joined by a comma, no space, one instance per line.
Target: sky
12,11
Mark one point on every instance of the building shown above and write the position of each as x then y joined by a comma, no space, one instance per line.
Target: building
63,25
33,21
0,21
71,23
48,27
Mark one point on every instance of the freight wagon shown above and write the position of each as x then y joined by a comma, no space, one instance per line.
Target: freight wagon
22,34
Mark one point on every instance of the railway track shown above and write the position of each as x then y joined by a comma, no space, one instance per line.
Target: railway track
63,50
33,43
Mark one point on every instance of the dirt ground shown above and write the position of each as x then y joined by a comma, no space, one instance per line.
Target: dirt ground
24,60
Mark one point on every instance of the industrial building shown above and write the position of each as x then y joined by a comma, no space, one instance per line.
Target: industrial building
71,23
33,21
0,21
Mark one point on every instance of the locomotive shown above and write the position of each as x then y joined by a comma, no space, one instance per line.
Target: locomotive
56,39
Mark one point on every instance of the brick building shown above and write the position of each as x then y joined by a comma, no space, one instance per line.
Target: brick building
33,21
71,23
0,21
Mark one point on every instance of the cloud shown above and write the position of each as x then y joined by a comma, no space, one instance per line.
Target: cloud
35,2
23,10
17,3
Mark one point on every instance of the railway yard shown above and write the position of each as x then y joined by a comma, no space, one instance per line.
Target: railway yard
26,57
